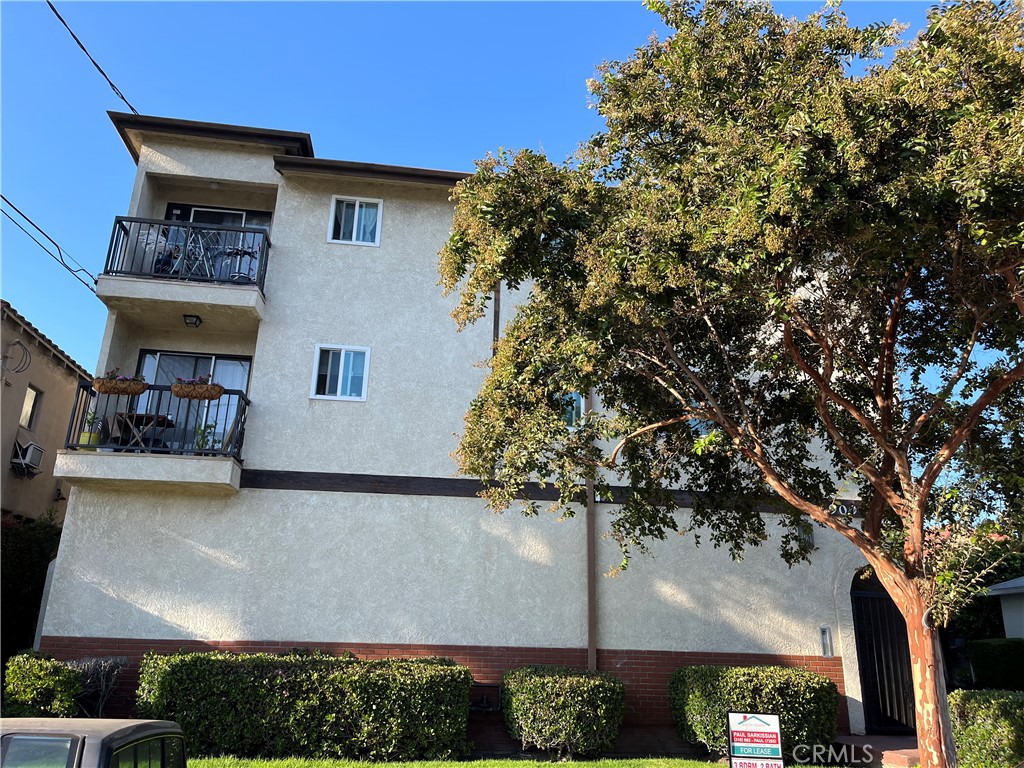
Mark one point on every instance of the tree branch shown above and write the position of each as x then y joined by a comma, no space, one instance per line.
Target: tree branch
963,430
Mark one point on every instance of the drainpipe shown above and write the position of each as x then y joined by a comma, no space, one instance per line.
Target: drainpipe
588,405
496,328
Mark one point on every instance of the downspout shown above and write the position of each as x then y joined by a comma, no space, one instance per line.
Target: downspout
588,405
496,327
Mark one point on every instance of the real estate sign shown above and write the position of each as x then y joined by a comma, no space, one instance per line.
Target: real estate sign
755,740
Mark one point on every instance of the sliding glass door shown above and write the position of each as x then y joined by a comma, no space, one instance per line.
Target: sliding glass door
195,425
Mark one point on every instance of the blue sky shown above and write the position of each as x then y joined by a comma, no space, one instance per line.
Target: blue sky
433,85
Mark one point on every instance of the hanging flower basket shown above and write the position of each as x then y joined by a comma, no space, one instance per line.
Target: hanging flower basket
197,391
119,386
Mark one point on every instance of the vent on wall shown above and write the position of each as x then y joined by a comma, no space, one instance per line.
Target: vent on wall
26,458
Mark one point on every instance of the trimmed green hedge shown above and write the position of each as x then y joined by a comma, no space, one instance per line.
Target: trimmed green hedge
998,663
262,705
37,686
988,727
702,696
563,710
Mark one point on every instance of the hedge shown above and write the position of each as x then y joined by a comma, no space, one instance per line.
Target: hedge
988,728
263,705
702,696
998,663
563,710
38,686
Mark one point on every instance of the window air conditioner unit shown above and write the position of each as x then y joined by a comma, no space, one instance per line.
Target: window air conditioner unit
26,459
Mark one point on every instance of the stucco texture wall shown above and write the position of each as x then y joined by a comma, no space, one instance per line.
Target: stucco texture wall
337,567
422,373
57,382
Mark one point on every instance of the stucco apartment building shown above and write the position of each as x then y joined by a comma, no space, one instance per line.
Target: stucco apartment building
38,388
314,504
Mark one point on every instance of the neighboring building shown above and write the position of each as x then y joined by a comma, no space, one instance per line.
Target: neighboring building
39,384
313,503
1011,601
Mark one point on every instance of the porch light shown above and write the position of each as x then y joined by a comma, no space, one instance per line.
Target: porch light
826,642
193,321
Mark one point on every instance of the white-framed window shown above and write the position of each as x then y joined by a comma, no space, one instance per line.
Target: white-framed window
355,220
572,409
340,372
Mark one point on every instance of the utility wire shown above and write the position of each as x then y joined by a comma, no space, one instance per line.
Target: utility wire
98,67
59,259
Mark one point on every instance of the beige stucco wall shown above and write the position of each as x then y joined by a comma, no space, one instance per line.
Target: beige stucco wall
338,567
24,496
422,373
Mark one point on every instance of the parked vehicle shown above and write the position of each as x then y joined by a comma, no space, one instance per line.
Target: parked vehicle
54,742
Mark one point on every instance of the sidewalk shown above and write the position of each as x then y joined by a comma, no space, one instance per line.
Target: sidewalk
886,751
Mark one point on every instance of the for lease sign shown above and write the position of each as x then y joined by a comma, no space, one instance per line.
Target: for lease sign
755,740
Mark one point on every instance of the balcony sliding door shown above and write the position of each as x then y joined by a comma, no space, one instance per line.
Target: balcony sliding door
197,424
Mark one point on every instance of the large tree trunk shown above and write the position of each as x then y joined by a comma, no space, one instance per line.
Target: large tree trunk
934,732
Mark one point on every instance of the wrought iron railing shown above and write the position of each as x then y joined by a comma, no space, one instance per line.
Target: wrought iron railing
157,422
179,250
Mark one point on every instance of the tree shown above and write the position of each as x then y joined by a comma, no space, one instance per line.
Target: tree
764,259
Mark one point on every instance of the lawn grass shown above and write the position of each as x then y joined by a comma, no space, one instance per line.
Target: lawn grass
297,762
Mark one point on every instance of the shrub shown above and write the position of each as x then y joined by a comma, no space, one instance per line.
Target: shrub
988,727
261,705
99,676
701,697
36,686
998,663
563,710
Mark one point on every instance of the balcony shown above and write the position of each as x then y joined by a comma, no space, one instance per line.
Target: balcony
154,441
156,270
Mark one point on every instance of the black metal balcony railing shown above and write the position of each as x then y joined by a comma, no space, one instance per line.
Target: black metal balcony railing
157,422
179,250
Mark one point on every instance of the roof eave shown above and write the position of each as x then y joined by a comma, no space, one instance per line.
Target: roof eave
293,142
371,171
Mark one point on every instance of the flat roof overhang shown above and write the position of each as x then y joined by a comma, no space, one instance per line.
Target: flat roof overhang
404,174
292,142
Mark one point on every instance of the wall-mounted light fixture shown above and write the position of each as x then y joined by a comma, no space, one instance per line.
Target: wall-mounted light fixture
826,642
192,321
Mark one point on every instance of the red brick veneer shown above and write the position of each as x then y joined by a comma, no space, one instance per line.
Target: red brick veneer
645,673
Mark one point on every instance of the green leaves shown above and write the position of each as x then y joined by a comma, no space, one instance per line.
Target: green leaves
777,277
565,711
701,696
310,705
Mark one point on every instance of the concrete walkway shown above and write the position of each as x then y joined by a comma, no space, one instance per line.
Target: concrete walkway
884,751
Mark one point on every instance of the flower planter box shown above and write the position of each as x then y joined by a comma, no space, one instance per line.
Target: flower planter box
115,387
197,391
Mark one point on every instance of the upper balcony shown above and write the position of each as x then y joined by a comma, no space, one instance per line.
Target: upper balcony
156,270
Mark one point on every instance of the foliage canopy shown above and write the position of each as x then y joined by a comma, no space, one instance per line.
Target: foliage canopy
762,261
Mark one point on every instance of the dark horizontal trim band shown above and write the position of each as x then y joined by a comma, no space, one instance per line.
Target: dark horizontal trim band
343,482
405,485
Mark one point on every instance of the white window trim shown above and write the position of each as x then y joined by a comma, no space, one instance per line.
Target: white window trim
340,348
353,199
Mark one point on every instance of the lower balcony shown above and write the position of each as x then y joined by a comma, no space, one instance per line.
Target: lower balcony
154,440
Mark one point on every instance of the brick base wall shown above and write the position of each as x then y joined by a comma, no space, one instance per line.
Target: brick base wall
645,673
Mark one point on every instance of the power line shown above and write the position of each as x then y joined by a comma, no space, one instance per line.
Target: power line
59,259
98,67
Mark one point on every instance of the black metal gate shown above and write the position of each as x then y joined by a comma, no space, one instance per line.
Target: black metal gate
883,653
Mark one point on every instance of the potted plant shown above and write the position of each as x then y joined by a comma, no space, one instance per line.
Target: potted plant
89,435
199,388
113,382
205,441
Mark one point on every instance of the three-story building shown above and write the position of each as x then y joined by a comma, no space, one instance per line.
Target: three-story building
313,501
